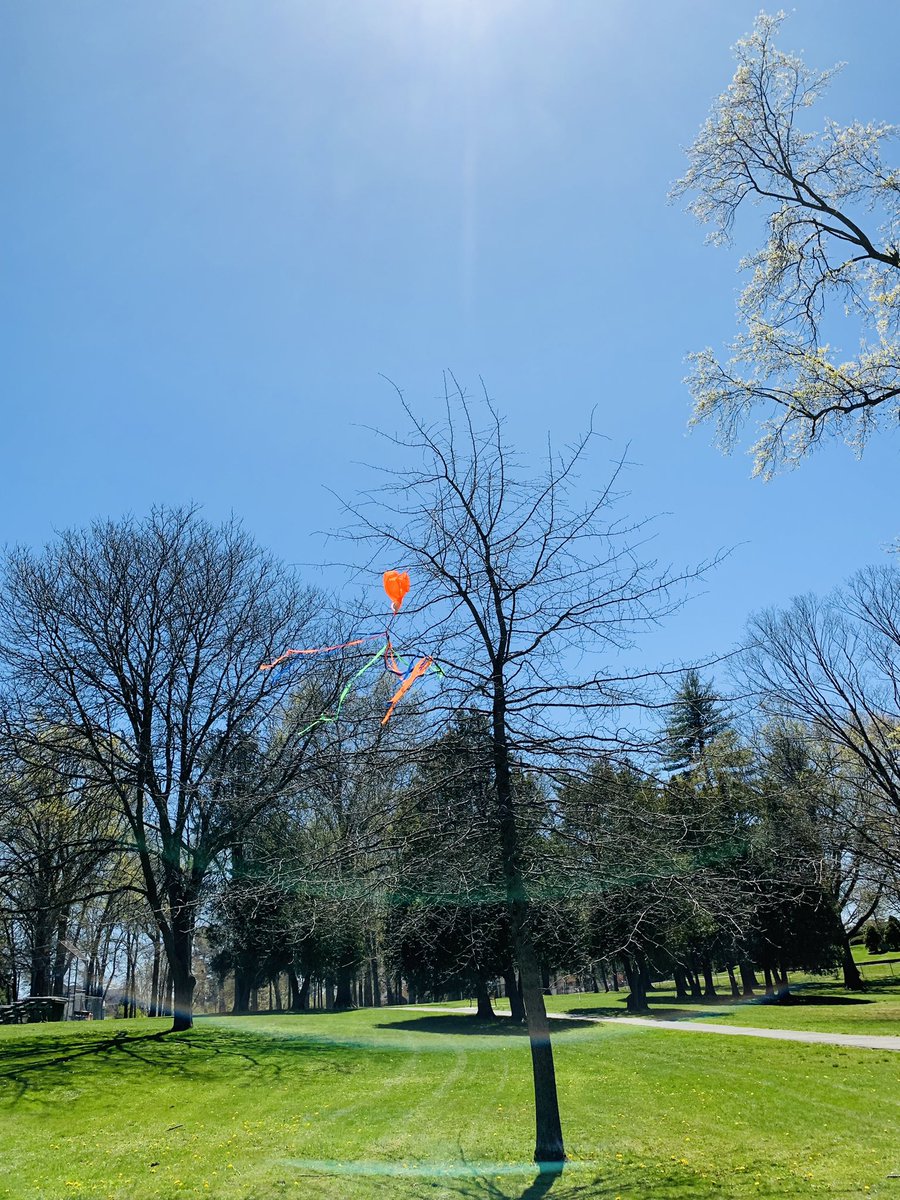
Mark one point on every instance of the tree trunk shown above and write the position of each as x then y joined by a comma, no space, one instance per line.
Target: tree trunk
165,991
637,997
853,980
61,957
179,950
770,986
485,1010
293,990
343,998
646,981
694,981
709,989
735,990
242,989
43,943
376,982
681,988
748,979
154,978
549,1145
514,992
183,984
602,966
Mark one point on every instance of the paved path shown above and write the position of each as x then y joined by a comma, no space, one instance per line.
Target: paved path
859,1041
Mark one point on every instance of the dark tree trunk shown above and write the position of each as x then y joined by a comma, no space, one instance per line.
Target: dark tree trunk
853,980
276,984
681,988
549,1145
615,975
770,986
694,981
545,981
514,992
243,988
603,976
343,998
735,990
376,982
183,983
637,997
748,979
43,943
154,979
299,993
243,985
485,1010
709,988
165,993
646,981
61,957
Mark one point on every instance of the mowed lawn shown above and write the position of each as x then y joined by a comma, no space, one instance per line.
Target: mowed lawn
396,1103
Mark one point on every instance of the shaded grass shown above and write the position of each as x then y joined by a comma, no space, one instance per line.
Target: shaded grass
400,1104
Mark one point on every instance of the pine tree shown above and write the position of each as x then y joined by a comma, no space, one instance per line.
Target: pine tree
697,718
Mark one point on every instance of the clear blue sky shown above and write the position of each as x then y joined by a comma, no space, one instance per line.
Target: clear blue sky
222,221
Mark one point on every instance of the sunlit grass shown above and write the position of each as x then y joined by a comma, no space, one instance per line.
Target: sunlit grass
413,1104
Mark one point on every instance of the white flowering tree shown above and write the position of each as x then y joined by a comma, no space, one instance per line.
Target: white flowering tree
829,270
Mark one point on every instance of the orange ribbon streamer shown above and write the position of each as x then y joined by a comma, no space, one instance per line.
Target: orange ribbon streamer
417,671
318,650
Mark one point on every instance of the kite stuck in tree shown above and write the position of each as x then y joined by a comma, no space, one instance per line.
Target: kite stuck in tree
396,585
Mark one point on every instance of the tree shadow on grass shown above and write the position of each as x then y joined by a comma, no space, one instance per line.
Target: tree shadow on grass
809,1000
575,1183
469,1026
47,1061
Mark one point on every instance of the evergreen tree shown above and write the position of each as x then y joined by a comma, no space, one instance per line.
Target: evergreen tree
697,718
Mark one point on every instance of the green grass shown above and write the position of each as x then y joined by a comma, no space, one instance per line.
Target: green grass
402,1105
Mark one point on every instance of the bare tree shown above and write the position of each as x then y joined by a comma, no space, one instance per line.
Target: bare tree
824,253
142,641
58,840
524,593
834,665
830,794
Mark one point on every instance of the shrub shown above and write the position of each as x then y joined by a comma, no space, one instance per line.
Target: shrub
874,940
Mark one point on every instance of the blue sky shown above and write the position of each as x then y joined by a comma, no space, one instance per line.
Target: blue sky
223,223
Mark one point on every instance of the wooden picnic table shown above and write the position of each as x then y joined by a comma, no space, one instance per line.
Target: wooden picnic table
33,1008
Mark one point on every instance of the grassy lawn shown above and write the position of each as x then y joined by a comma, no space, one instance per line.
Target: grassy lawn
392,1103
